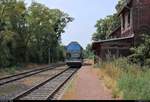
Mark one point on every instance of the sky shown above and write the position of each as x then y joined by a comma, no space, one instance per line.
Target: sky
85,14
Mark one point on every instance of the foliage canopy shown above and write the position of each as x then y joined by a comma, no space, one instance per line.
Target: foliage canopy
28,34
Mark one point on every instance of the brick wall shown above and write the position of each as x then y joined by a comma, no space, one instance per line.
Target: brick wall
141,15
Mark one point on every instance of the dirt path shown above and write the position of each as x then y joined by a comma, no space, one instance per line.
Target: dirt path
87,86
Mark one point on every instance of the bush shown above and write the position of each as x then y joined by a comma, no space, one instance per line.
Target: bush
141,53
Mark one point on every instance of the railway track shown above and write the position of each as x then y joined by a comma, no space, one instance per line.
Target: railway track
48,88
19,76
10,90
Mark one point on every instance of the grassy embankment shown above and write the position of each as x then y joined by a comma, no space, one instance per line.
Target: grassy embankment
9,71
127,81
17,69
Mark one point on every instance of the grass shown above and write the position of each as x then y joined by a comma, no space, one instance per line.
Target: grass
7,71
17,68
11,69
127,81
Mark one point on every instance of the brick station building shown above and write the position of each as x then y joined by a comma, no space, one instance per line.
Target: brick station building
135,21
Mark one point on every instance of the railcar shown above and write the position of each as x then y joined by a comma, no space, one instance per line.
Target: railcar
74,55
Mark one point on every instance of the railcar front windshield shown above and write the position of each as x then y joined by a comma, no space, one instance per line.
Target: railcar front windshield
73,47
73,56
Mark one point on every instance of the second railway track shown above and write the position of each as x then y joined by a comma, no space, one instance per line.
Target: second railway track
46,89
15,77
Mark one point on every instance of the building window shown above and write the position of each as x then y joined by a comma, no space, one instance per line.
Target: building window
129,20
123,21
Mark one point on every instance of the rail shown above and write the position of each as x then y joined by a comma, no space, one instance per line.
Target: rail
46,89
22,75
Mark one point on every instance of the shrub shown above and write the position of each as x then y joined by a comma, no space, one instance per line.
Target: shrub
141,53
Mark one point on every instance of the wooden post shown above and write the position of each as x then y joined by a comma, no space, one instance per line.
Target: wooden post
49,56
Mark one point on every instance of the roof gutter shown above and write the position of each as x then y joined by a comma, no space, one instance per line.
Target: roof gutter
115,39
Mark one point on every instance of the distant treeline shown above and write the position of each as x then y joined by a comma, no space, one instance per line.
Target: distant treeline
87,52
30,34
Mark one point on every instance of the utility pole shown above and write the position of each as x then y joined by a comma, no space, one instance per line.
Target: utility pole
49,56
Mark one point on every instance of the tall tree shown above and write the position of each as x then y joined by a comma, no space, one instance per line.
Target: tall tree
46,30
12,19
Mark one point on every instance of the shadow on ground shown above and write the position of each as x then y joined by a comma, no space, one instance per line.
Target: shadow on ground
87,64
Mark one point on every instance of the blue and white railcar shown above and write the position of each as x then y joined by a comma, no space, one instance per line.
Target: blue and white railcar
74,55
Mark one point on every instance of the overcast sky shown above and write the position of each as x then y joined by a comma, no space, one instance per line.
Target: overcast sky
85,12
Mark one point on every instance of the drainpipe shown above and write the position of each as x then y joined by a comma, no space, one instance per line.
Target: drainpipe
138,22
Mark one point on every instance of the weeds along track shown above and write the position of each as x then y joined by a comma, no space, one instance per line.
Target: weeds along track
48,88
15,77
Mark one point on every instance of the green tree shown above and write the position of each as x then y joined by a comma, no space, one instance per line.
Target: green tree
141,52
105,26
46,30
12,21
120,5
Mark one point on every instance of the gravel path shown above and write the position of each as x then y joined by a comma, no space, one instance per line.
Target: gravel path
87,86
